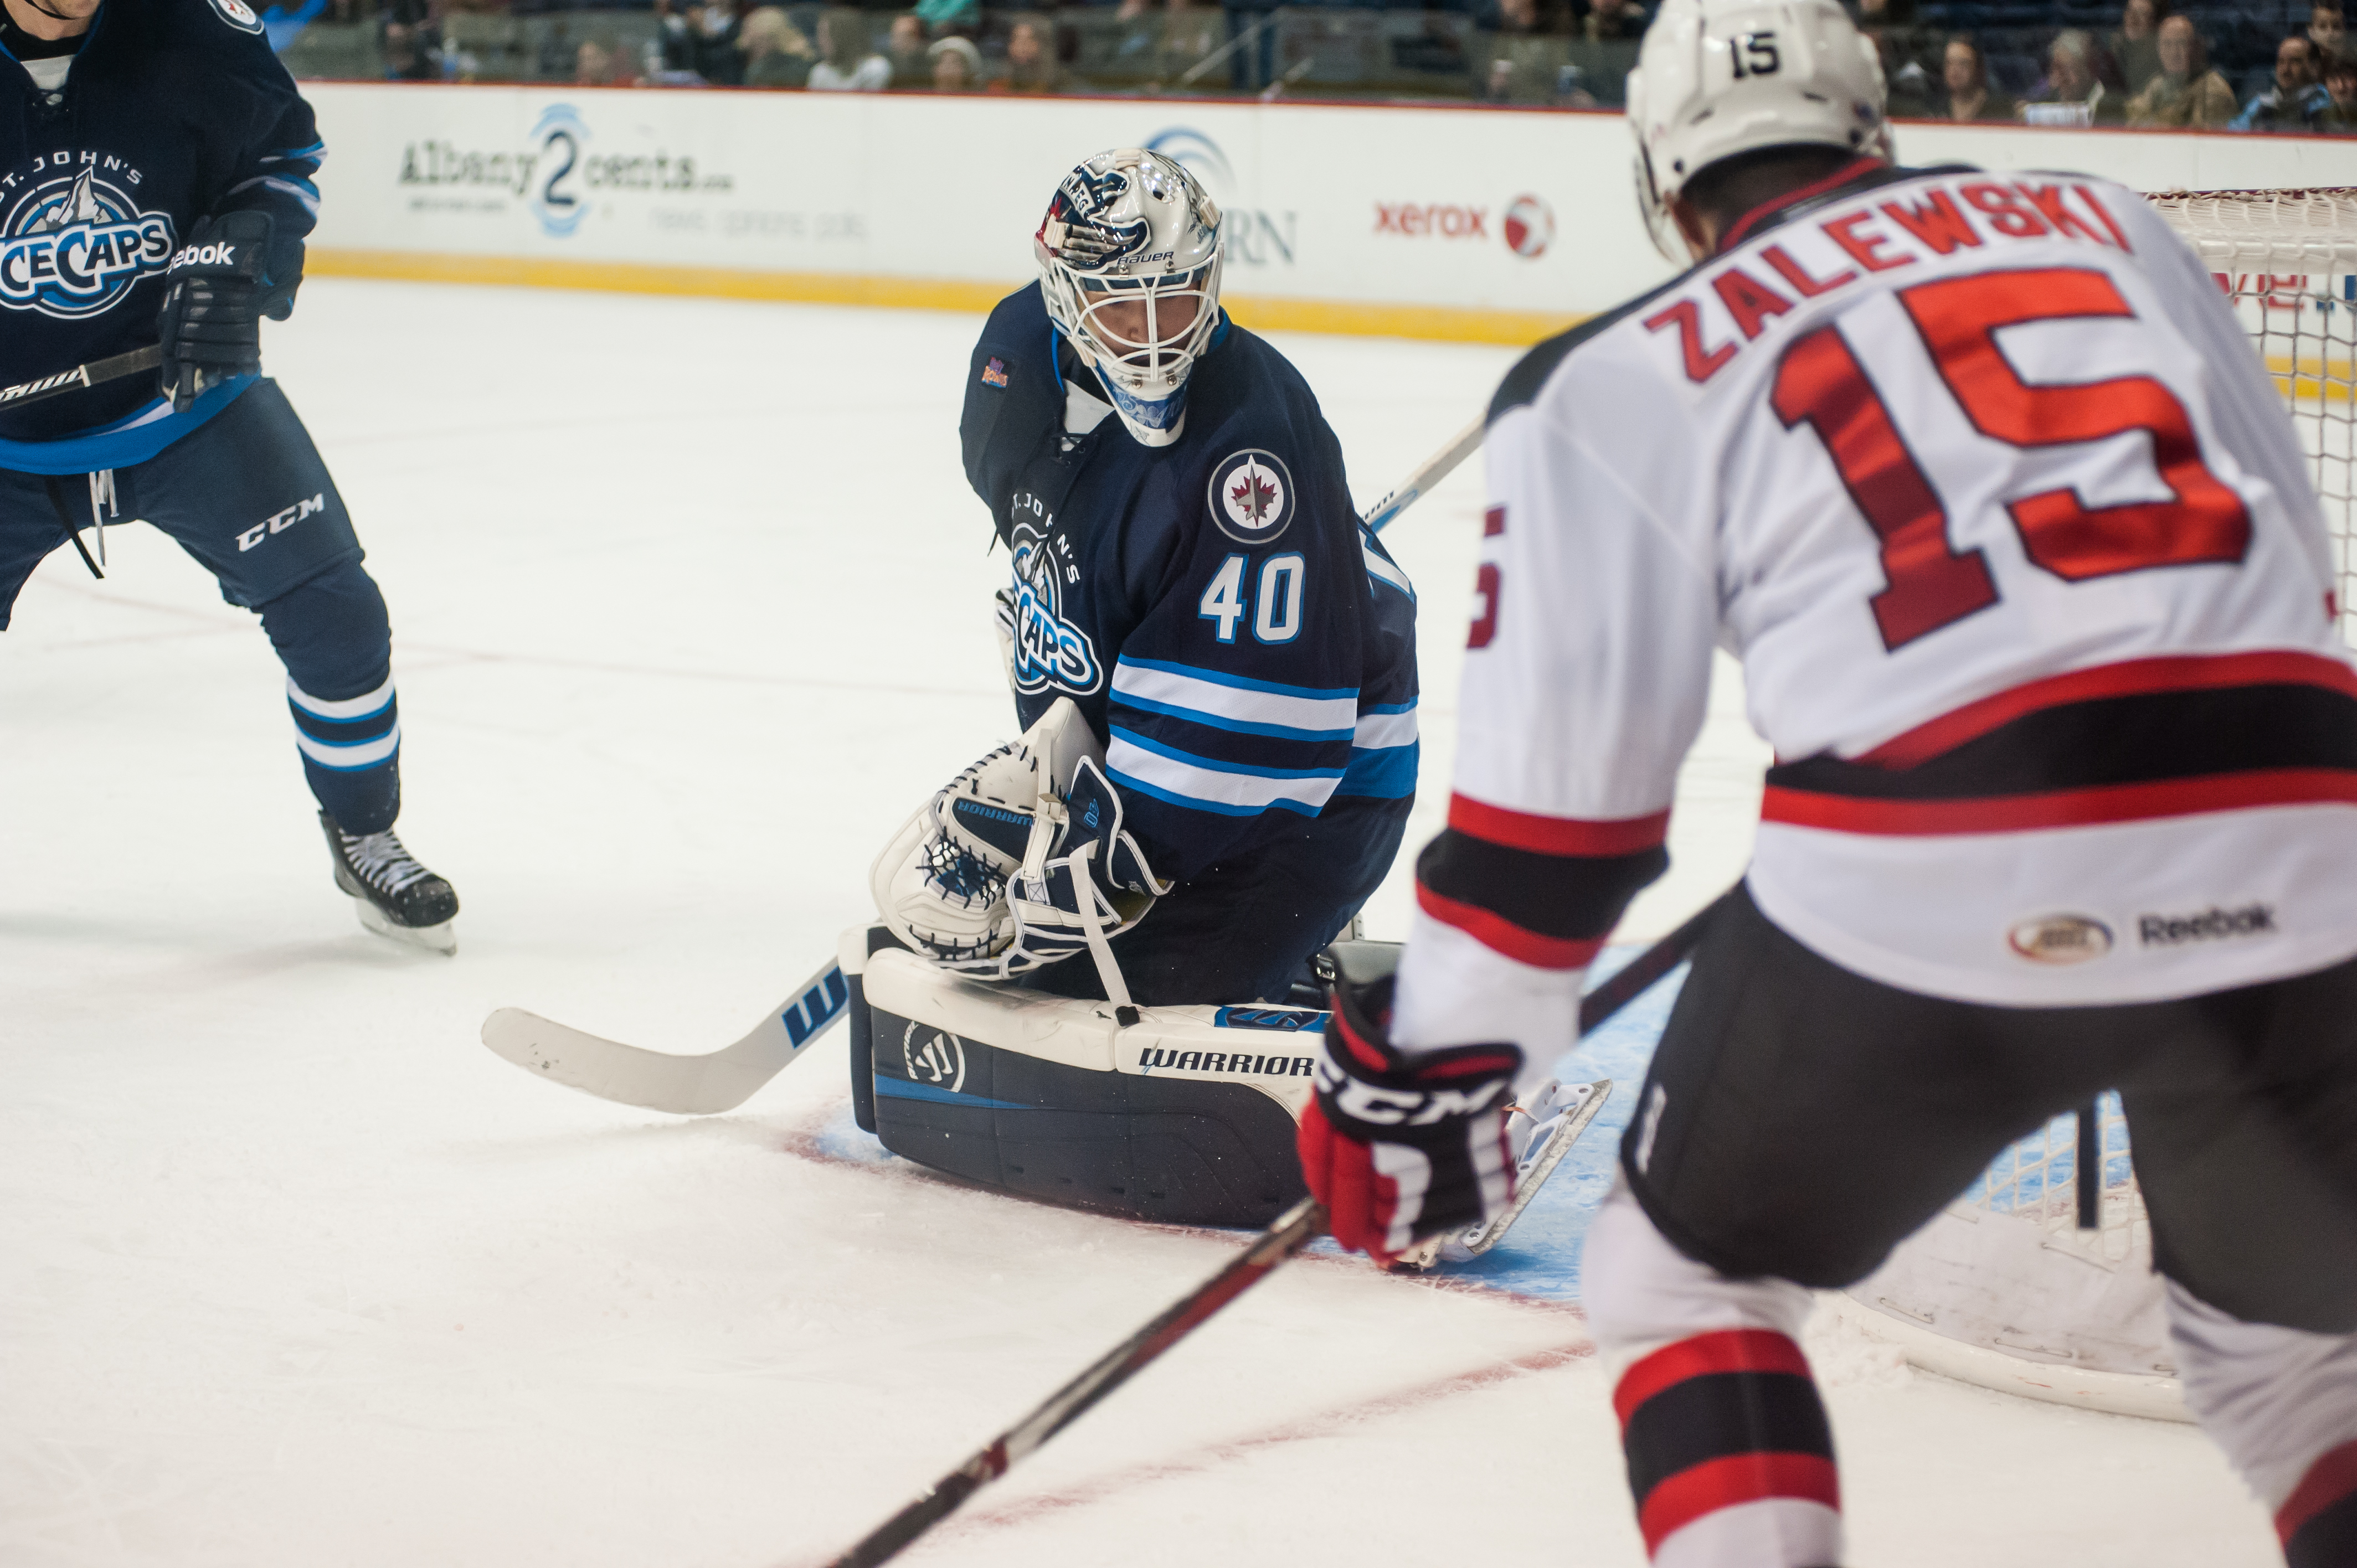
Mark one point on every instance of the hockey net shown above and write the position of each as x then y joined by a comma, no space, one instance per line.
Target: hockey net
2003,1288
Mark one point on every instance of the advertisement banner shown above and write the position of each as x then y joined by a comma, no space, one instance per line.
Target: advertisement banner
1496,224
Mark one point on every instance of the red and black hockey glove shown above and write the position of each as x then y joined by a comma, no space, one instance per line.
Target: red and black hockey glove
1400,1150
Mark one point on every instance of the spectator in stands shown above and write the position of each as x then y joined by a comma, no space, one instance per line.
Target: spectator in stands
593,64
2186,94
2327,29
2136,47
904,51
845,62
1890,25
410,51
1965,74
2340,86
1527,54
1030,56
776,52
1615,19
957,64
2296,101
2071,94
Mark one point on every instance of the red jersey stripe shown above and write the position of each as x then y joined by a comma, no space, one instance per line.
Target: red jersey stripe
1556,835
1726,1483
2061,807
2327,1481
1726,1350
2135,677
1502,936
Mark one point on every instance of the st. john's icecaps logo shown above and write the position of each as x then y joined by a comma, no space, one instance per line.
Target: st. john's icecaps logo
75,244
1049,649
1252,495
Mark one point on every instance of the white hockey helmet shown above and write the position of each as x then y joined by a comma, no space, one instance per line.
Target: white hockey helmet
1130,228
1716,78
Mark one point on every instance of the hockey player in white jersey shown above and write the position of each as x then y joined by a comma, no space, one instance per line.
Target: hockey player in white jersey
1980,480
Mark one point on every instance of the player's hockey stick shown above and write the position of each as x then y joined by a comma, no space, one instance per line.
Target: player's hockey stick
1434,468
1300,1225
1294,1230
690,1086
80,376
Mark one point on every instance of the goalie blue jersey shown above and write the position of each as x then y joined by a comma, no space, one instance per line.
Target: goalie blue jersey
1244,647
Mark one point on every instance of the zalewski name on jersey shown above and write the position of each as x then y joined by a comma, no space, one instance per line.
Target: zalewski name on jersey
2007,625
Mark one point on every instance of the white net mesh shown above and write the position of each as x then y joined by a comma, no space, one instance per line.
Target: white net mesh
2005,1272
2287,259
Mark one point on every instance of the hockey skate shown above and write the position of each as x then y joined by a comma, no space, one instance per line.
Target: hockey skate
396,896
1544,1130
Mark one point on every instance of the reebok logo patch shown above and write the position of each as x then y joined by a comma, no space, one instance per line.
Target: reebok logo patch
2210,925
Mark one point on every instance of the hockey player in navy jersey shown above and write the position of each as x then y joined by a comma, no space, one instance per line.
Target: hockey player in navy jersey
156,167
1189,573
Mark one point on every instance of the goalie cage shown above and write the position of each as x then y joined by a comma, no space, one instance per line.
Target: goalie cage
2003,1289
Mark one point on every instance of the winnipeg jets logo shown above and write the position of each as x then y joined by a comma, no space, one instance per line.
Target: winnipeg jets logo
75,244
1049,649
1252,495
238,15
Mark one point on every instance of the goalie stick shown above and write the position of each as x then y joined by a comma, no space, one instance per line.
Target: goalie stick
688,1086
725,1079
80,376
1294,1230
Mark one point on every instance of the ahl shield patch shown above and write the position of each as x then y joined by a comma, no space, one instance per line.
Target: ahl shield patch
1252,495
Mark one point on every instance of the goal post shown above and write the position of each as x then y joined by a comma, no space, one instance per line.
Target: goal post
2002,1288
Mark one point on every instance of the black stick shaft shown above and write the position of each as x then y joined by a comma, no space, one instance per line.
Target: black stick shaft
80,376
1295,1230
2091,1170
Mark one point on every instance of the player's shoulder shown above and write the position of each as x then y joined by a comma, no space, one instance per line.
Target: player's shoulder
1021,316
222,38
1534,370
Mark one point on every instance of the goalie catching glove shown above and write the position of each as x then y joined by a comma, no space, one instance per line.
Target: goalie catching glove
1401,1149
1020,863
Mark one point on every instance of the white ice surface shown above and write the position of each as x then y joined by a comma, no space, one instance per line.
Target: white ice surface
689,605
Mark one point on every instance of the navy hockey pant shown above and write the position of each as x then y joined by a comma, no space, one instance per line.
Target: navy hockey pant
246,495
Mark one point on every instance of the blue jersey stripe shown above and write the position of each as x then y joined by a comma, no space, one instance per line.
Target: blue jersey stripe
1220,765
1386,773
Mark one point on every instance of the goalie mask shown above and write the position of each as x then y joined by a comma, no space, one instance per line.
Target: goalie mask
1716,78
1129,264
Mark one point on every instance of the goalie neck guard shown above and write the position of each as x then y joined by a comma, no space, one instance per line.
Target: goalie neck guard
1718,78
1129,263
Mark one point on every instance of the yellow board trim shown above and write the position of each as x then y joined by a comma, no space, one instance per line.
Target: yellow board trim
1453,323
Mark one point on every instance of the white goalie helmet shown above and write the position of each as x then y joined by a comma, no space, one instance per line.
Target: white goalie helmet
1716,78
1129,263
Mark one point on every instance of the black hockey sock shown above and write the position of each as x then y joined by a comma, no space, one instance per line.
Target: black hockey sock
1720,1421
2318,1524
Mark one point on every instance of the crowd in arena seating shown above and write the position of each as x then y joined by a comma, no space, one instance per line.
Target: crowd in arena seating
2261,65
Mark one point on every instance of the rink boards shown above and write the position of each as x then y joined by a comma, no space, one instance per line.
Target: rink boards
1476,224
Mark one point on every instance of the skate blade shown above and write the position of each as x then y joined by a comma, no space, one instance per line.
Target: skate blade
434,938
